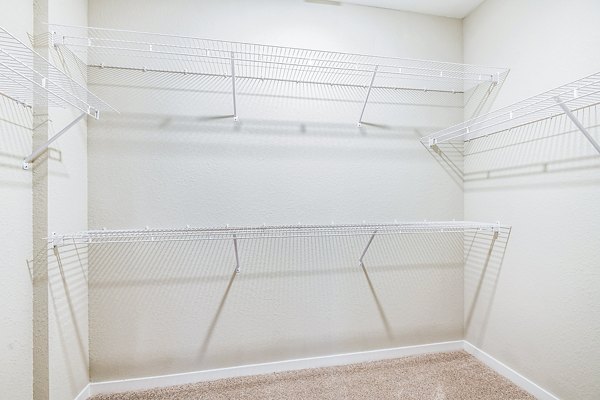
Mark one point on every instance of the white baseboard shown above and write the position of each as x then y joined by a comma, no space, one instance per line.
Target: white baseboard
84,394
266,368
509,373
315,362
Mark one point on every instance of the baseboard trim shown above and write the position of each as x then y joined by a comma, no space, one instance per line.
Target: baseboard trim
509,373
266,368
125,385
84,394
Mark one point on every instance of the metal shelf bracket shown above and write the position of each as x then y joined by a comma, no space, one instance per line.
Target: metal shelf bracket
359,124
235,116
360,260
577,123
36,153
237,258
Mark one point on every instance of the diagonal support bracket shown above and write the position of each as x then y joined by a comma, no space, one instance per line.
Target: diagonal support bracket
360,260
235,116
237,258
359,124
577,123
33,156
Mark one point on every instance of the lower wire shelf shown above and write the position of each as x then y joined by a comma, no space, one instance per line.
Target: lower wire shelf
104,237
267,231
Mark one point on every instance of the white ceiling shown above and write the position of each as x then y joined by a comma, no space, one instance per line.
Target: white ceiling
444,8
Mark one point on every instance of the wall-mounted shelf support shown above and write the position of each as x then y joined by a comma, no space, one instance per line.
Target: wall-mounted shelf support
235,116
359,124
237,257
33,156
577,123
360,260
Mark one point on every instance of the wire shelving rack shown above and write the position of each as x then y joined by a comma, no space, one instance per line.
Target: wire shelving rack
24,74
565,99
266,232
154,52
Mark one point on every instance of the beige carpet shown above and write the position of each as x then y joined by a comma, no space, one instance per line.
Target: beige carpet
443,376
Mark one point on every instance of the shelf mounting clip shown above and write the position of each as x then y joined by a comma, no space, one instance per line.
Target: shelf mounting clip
57,240
577,123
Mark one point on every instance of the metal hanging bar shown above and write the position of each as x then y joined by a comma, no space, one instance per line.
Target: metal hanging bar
237,258
360,260
359,124
235,116
33,156
577,123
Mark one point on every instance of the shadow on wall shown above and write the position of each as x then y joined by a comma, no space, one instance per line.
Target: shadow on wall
68,314
263,165
169,128
484,256
15,142
168,307
479,100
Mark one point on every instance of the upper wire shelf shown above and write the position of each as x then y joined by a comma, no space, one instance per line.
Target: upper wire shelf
25,75
565,99
267,231
112,48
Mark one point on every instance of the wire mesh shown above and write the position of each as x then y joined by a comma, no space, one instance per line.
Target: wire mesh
576,95
267,231
25,75
111,48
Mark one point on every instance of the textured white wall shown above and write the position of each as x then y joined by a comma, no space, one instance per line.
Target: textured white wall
539,310
165,161
67,212
15,231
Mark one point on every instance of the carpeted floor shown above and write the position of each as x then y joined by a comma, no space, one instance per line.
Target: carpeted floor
443,376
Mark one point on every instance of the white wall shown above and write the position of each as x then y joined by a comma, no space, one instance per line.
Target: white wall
15,219
67,212
165,161
538,310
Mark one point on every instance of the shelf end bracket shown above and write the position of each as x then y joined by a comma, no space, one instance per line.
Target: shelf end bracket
577,123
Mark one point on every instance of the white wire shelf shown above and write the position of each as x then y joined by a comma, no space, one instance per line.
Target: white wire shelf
112,48
565,99
266,232
25,75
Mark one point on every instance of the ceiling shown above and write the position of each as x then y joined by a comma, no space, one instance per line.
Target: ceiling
444,8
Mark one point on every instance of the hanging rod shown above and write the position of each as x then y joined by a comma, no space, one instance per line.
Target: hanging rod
229,76
268,232
565,99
